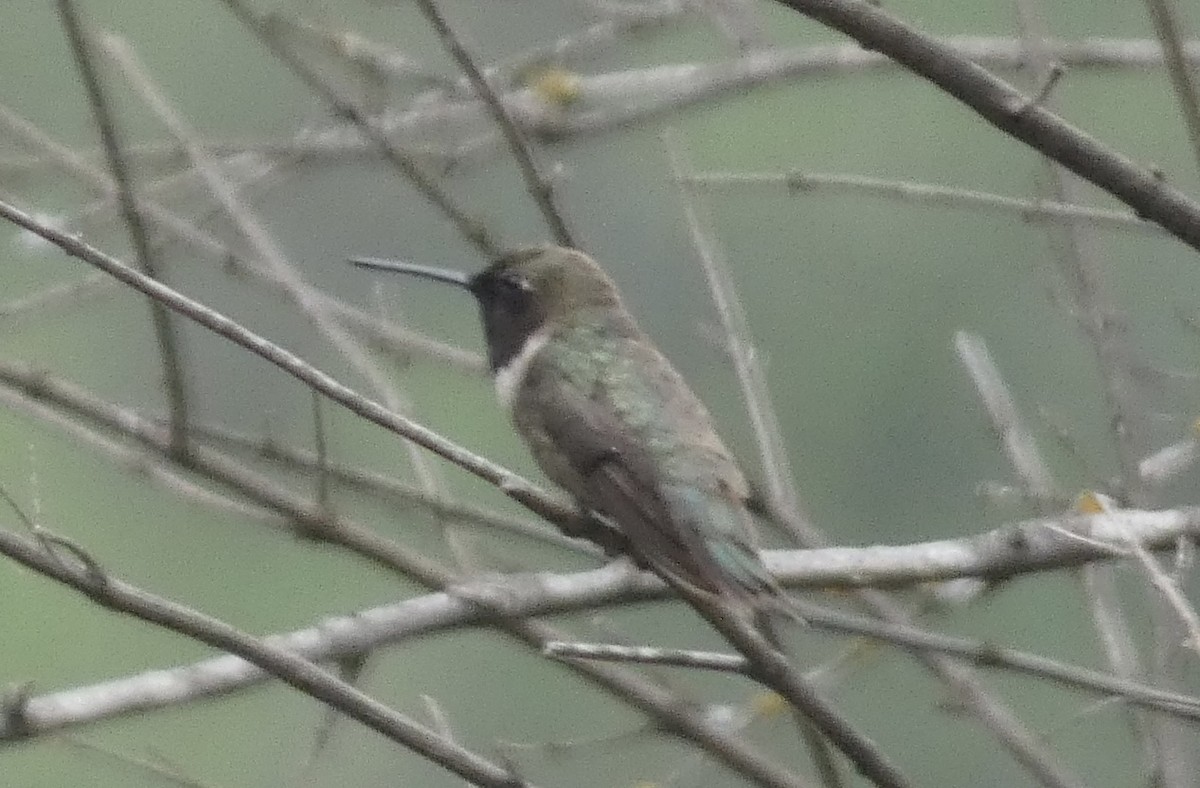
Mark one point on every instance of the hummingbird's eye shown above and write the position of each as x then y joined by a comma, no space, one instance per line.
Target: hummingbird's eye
514,283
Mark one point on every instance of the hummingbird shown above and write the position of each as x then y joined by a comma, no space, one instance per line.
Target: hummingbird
608,419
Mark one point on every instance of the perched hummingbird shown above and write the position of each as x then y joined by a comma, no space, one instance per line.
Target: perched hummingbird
608,418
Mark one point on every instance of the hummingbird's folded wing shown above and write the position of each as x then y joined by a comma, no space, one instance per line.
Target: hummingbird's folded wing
614,475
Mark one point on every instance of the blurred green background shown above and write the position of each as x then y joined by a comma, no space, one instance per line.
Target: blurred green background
853,301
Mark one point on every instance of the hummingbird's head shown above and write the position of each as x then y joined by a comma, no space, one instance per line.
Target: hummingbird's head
533,288
551,282
524,291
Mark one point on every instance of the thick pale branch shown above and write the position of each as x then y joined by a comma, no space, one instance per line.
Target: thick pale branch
545,594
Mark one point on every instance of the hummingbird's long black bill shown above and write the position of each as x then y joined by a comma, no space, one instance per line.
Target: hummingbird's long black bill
448,275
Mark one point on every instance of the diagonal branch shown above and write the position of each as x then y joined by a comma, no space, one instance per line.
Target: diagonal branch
539,187
1009,110
748,368
164,330
1165,17
390,337
512,485
84,575
255,233
470,228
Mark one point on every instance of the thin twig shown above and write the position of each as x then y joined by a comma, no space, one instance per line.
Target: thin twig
350,670
388,487
65,296
648,655
440,719
1170,461
802,182
389,337
1041,489
751,376
617,99
164,330
576,44
1164,15
382,59
1018,442
1169,589
266,247
471,229
1079,259
431,481
321,448
160,772
539,187
138,462
244,219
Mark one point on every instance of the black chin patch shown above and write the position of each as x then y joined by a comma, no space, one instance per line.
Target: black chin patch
511,314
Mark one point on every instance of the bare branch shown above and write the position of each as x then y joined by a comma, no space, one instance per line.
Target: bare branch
389,337
164,330
365,631
648,655
140,463
388,487
800,182
614,100
538,186
166,773
1166,586
109,592
470,228
1164,15
1170,461
1080,260
252,230
1007,109
1018,442
751,376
